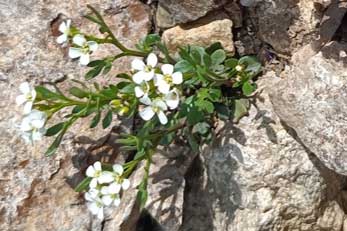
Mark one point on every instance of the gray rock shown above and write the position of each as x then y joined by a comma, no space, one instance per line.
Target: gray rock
173,12
257,177
36,192
312,99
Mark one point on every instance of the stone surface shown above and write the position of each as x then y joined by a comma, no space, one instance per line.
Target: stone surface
286,24
312,100
203,33
36,192
173,12
257,177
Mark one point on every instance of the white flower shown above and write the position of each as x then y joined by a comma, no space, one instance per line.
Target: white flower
32,126
142,89
123,183
99,176
111,194
64,28
145,72
84,49
153,107
95,203
239,68
169,78
27,98
172,99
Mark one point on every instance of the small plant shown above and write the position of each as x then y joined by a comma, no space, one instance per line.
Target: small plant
172,95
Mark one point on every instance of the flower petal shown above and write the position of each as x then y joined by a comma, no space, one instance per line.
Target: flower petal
27,107
79,40
37,123
90,171
162,117
167,69
116,202
62,38
20,99
125,184
93,208
138,77
107,200
62,27
147,76
104,190
75,52
177,78
37,135
172,99
161,104
138,64
93,46
146,100
138,92
114,188
100,214
147,113
93,183
97,166
105,177
117,168
84,59
24,87
152,60
68,23
163,87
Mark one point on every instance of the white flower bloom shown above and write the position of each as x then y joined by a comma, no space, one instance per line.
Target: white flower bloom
32,126
95,204
153,107
169,78
27,98
119,181
142,89
99,176
110,194
83,50
64,28
145,72
172,99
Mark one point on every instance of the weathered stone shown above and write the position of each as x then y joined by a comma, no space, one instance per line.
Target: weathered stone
312,100
285,24
173,12
203,33
36,192
257,177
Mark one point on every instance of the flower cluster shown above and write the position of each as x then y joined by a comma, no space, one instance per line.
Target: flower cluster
82,48
104,187
32,126
156,88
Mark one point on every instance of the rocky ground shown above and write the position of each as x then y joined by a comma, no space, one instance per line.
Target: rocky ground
283,167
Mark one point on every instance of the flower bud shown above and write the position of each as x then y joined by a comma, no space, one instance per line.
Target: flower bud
239,68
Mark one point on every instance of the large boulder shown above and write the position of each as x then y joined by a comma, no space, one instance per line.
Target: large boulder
257,177
312,99
36,192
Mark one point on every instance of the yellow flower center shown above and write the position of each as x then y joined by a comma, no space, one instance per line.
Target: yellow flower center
168,79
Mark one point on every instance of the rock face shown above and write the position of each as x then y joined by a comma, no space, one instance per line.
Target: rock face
36,192
203,33
312,99
257,178
286,24
173,12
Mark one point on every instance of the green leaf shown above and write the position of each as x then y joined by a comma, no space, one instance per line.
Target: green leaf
93,72
192,142
44,94
252,65
107,68
248,88
83,185
202,128
240,109
218,57
213,47
231,63
197,54
77,92
222,110
123,76
205,105
183,66
54,146
142,194
107,119
96,63
95,120
55,129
